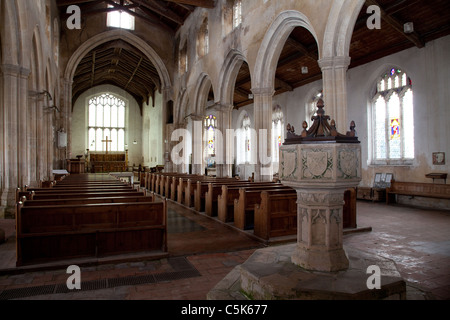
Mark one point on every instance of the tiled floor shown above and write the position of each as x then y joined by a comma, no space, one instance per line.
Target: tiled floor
418,240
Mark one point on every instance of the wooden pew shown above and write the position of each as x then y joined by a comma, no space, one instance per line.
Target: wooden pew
212,195
276,215
81,189
41,196
78,201
182,186
225,199
197,189
244,206
48,233
413,189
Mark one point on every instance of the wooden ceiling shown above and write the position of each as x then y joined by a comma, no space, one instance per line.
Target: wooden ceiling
123,65
431,19
117,62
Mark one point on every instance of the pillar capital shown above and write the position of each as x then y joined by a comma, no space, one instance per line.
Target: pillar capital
263,91
334,62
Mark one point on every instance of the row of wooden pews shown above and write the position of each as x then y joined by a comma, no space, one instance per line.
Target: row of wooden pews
232,201
267,208
88,216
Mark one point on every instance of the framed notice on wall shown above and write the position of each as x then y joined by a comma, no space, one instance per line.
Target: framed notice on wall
438,158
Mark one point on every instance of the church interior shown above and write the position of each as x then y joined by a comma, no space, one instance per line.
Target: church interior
175,113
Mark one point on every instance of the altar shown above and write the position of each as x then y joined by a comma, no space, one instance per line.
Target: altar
110,162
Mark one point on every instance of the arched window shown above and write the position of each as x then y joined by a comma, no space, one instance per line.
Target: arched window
393,119
106,122
311,107
244,144
210,134
237,13
183,59
203,39
277,135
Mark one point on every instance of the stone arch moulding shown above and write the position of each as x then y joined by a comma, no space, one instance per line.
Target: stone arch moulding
114,35
181,107
11,36
230,69
201,93
272,45
37,50
339,29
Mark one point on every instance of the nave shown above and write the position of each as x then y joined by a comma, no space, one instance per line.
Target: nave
202,251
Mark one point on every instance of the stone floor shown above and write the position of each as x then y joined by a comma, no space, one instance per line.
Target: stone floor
202,251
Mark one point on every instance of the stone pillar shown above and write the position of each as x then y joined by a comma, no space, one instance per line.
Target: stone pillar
11,75
224,169
263,126
197,144
334,71
320,173
65,121
24,162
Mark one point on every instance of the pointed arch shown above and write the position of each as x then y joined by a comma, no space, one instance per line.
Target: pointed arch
201,93
228,74
10,34
182,106
339,30
273,43
126,36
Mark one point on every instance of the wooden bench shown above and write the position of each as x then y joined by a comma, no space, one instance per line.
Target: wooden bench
225,200
215,189
244,206
48,233
413,189
42,196
198,193
78,201
276,215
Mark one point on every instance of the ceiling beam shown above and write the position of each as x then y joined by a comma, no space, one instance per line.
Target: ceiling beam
301,48
283,85
134,72
62,3
161,9
398,25
196,3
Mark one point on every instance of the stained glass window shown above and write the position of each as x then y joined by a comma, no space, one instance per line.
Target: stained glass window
106,119
393,119
210,127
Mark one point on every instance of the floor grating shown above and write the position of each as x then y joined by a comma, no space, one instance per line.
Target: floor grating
183,270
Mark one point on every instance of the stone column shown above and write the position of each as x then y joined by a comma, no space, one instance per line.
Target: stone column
10,142
320,173
24,162
334,71
65,121
262,107
197,144
223,169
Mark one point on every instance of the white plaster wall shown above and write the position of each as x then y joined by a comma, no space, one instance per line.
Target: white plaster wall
429,70
133,123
